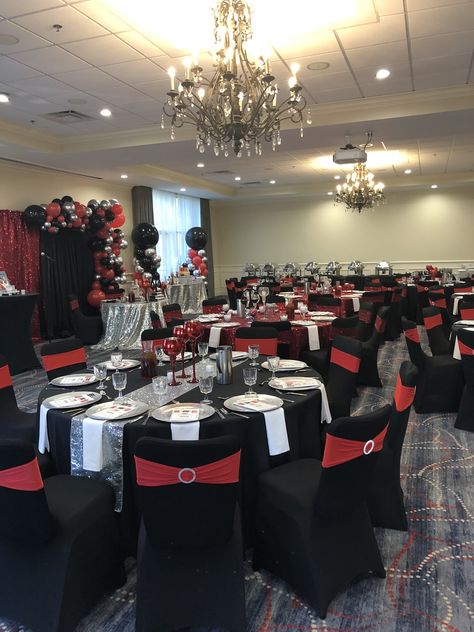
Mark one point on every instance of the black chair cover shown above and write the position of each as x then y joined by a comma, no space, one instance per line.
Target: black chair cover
87,328
465,416
368,371
437,338
62,358
313,525
190,570
14,423
344,364
157,334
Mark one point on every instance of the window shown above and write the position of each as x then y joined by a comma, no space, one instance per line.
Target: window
174,215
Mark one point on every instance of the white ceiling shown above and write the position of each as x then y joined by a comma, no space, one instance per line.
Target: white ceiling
104,58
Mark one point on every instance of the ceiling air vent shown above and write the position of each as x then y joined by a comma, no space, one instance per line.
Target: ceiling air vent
67,116
251,183
221,172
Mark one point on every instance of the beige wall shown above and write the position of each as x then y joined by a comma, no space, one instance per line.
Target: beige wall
412,229
22,186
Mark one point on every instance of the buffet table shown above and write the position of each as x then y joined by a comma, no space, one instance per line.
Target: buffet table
189,293
124,323
15,332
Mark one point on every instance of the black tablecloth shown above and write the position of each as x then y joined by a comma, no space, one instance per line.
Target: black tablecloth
15,332
303,421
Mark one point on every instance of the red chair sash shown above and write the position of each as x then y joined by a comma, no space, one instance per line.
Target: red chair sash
403,396
74,304
345,360
365,316
221,472
412,334
339,450
441,302
433,321
5,377
25,478
172,314
467,313
421,288
465,349
437,291
212,309
268,346
67,358
230,285
462,290
380,324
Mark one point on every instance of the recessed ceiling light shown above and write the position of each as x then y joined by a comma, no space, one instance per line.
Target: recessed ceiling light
318,65
4,98
330,192
434,186
407,171
8,40
124,176
382,73
237,178
106,112
200,165
182,189
272,181
337,177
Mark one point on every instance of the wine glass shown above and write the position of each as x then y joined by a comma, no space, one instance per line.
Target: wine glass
159,355
147,346
273,364
304,311
264,291
250,379
173,347
116,358
206,384
253,352
203,349
180,333
119,380
100,372
225,307
194,330
160,386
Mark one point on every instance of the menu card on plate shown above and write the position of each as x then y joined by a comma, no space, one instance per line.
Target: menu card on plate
185,414
77,379
72,400
115,410
253,404
294,382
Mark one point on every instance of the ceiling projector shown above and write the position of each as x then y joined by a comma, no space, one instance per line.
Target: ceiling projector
348,155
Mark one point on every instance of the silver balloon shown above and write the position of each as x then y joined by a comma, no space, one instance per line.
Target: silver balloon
157,260
119,260
97,277
89,211
47,225
44,206
191,267
108,249
204,259
124,244
113,201
109,240
147,276
82,227
73,217
201,253
43,227
196,273
68,207
139,269
105,204
63,224
150,252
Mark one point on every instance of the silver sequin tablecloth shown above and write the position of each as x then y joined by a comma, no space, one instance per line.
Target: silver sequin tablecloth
189,295
124,323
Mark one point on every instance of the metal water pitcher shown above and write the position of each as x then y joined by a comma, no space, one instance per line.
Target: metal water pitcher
224,364
240,308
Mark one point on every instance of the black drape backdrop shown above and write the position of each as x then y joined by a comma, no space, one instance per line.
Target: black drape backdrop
142,205
206,224
69,270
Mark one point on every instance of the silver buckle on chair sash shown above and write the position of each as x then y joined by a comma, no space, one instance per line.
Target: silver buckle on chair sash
185,470
369,446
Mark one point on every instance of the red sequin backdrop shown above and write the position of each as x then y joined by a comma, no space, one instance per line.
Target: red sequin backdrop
19,257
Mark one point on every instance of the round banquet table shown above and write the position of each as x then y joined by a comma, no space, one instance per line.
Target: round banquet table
189,293
303,423
15,332
124,323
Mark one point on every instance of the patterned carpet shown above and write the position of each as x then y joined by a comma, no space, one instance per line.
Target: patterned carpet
430,573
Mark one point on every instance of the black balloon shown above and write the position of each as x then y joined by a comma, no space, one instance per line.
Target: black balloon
66,198
196,238
145,235
146,264
34,215
56,201
96,222
96,244
109,216
93,204
139,253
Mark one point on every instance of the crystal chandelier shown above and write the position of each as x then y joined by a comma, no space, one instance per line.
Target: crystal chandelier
238,107
359,191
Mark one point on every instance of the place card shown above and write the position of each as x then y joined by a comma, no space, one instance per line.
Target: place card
185,414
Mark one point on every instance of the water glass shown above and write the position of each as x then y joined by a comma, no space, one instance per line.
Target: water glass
254,352
116,358
203,349
159,355
206,384
250,379
100,372
273,364
119,380
160,386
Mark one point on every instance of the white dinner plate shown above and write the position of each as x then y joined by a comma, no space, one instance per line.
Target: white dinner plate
113,411
286,365
74,399
164,413
294,383
236,355
320,319
123,366
208,319
255,404
187,356
227,324
75,379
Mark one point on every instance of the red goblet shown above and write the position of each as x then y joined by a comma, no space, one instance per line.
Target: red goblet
180,333
194,330
172,347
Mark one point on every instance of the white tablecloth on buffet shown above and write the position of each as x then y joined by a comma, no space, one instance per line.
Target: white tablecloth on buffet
189,295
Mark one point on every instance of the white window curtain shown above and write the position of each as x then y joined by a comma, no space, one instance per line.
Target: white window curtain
173,216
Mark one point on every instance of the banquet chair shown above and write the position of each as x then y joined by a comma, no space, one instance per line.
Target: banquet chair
283,329
155,320
279,301
440,380
231,293
366,319
465,416
437,338
385,497
344,326
62,358
344,364
439,300
213,305
326,304
156,335
313,525
368,371
59,543
87,328
373,297
394,323
189,563
265,337
466,310
172,314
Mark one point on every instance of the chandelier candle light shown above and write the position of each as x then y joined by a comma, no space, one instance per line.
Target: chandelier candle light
238,106
359,191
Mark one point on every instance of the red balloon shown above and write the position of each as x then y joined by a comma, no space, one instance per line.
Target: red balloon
60,218
49,218
53,209
197,261
96,285
118,221
100,212
204,272
117,209
103,233
109,275
192,253
81,210
203,268
77,223
98,255
95,297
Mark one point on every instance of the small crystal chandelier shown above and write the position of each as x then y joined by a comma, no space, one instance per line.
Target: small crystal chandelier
359,190
238,107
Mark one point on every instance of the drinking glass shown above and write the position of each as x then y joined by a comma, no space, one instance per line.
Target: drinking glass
225,307
159,355
160,386
273,364
304,311
119,380
203,348
100,372
116,358
254,352
250,379
147,346
205,386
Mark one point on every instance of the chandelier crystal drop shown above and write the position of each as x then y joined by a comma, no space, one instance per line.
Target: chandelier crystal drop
238,108
359,191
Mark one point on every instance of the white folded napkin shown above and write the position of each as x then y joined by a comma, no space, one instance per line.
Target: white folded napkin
92,452
277,435
43,439
356,304
325,410
215,337
456,351
313,338
185,432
